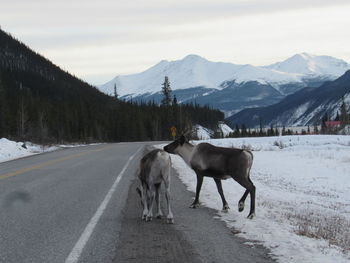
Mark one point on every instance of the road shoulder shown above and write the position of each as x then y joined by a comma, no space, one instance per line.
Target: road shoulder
195,237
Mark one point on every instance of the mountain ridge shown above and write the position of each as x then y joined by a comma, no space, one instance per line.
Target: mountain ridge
305,107
196,71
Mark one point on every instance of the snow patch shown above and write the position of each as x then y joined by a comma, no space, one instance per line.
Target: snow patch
10,150
302,186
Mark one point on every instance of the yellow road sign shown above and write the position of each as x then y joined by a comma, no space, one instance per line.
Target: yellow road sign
173,131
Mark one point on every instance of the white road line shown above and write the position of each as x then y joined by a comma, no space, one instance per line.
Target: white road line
74,255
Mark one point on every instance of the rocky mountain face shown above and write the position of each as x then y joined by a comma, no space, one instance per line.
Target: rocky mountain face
305,107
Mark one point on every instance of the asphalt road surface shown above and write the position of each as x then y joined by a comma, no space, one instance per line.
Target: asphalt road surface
80,205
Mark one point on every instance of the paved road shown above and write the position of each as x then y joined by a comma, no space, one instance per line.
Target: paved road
80,205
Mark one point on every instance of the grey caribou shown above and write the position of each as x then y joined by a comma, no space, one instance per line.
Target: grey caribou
219,163
155,168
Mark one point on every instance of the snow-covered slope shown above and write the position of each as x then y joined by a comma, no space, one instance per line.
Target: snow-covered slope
195,71
305,107
192,71
225,129
202,133
309,65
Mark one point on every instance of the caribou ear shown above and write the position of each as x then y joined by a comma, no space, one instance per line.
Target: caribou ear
182,140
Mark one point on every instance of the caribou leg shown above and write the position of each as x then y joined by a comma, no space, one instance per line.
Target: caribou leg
150,209
250,188
242,200
195,203
170,217
159,210
225,206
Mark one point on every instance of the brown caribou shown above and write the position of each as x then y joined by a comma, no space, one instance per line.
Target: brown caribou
155,168
220,163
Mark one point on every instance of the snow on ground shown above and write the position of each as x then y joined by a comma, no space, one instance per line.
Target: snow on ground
10,150
303,200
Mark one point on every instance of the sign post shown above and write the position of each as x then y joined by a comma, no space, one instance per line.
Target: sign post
173,131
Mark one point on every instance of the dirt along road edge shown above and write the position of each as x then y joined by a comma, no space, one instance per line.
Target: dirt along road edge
195,237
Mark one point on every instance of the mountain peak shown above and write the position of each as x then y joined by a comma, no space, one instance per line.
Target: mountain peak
304,55
192,56
196,71
307,64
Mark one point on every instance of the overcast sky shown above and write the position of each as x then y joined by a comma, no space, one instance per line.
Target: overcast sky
97,40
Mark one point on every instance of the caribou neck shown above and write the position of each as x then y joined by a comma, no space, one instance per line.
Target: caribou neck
185,152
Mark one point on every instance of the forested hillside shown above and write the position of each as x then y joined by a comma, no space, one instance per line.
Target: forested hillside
41,102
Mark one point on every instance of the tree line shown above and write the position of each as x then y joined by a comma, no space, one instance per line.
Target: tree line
42,103
34,108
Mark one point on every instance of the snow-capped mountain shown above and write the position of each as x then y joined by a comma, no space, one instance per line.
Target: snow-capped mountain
195,71
305,107
192,71
229,87
308,65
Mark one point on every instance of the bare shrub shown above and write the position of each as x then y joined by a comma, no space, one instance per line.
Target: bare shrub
331,227
279,144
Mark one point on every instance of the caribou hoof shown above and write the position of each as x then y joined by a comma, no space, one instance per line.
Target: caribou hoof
159,216
194,205
251,216
240,206
225,208
148,218
170,220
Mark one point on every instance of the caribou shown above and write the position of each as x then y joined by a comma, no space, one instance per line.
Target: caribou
155,168
220,163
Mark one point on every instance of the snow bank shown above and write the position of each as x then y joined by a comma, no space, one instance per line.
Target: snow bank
303,201
10,150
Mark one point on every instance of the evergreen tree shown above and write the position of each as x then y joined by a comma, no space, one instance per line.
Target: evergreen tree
3,110
115,91
284,130
271,131
344,117
244,131
337,118
166,90
261,132
324,128
174,101
237,131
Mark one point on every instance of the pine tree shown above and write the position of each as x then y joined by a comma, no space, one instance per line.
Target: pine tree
243,131
261,132
174,101
344,117
166,90
115,91
283,130
324,128
3,110
237,131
